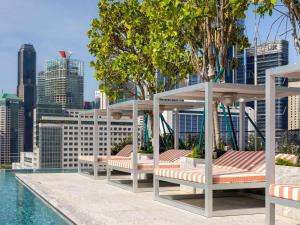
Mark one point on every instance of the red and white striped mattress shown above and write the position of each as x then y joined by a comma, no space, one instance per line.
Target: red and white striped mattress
167,159
219,175
90,158
286,191
232,167
143,165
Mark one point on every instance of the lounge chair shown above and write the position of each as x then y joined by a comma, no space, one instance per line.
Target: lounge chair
233,170
168,159
123,154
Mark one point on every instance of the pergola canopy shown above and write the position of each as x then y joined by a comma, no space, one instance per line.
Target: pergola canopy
241,92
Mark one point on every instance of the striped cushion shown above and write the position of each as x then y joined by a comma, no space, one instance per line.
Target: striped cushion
219,175
261,167
286,191
90,158
173,155
146,165
241,160
126,151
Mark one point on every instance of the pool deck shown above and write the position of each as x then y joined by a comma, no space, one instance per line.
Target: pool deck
88,201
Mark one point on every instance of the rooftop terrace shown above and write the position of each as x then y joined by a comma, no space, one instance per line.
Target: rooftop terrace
89,201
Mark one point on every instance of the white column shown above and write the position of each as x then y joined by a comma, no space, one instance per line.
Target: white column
79,142
270,145
176,129
108,141
155,143
242,126
135,146
208,148
96,143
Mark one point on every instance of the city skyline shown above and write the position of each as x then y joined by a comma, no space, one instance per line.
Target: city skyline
66,30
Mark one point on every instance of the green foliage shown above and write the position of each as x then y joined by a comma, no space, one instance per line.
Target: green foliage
197,152
124,51
5,167
146,149
119,146
284,162
251,143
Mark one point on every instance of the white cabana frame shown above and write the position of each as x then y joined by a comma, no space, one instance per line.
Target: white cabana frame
95,113
289,71
208,92
135,108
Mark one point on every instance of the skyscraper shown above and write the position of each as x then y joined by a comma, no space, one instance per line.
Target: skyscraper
11,128
62,82
269,55
27,89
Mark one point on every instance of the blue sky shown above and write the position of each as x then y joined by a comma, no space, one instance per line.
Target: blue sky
53,25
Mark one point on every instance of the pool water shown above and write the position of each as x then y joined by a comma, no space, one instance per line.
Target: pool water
19,206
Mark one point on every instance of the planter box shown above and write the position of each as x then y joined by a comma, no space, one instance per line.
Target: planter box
288,175
191,163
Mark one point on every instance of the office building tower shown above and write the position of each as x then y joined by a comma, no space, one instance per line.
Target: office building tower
11,128
26,90
61,82
294,108
269,55
100,100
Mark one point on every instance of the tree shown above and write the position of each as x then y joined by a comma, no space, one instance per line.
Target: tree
292,13
120,42
207,27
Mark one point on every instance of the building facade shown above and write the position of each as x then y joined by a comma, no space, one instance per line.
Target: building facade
61,82
269,55
59,138
100,100
11,128
294,108
26,90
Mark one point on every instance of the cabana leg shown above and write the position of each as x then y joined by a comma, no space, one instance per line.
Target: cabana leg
135,147
155,143
108,132
270,145
242,126
208,149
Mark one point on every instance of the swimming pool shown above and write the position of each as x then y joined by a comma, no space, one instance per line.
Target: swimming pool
19,206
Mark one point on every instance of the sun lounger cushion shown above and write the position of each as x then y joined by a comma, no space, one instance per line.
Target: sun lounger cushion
232,167
219,175
286,191
126,151
146,165
90,158
173,155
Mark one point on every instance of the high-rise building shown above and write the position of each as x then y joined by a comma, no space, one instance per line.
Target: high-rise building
11,128
27,90
61,82
269,55
100,100
294,108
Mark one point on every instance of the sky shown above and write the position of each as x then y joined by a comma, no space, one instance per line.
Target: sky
53,25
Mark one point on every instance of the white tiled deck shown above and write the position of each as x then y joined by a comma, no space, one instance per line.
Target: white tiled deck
88,201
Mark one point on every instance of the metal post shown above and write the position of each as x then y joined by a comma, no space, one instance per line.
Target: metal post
95,143
108,140
135,146
176,129
270,145
208,148
155,143
242,126
79,142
